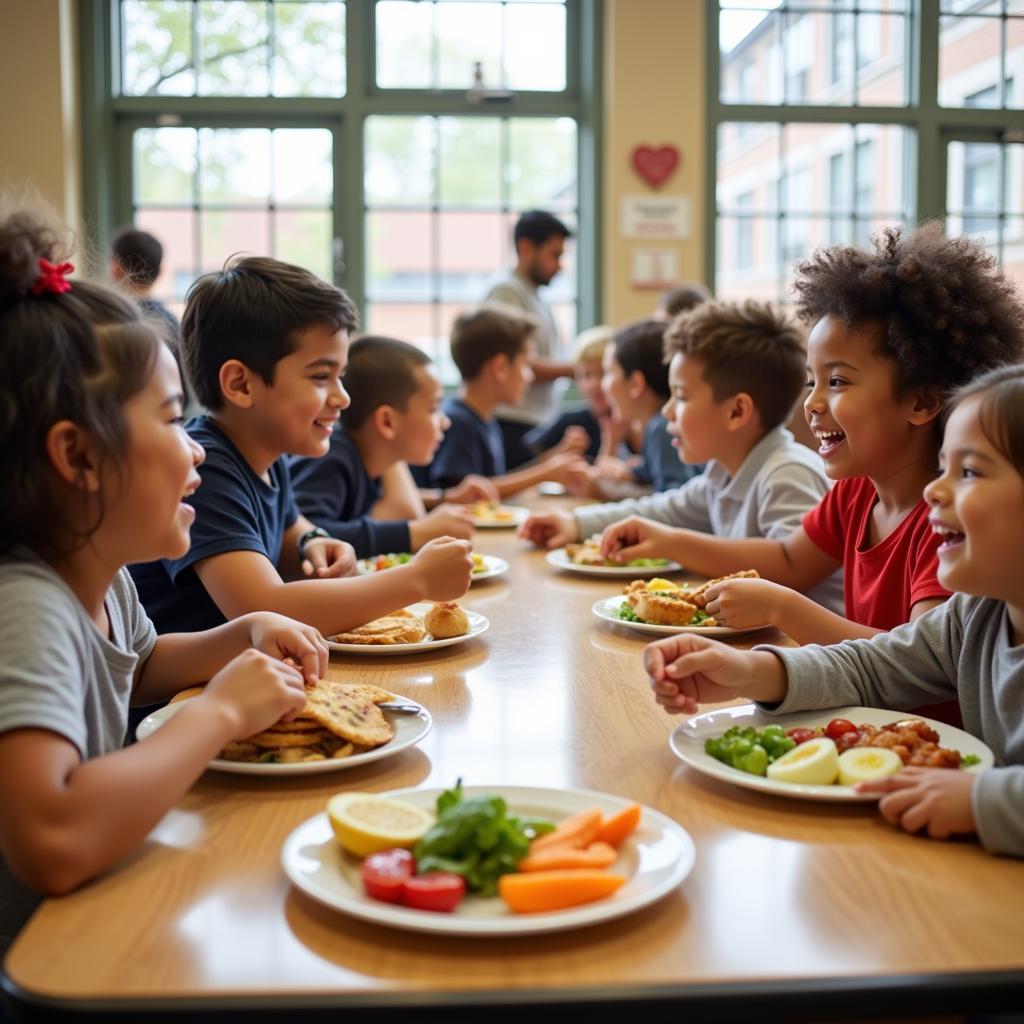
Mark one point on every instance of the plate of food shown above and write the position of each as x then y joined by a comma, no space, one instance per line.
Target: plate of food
662,608
343,725
820,755
424,626
644,856
484,566
586,558
490,515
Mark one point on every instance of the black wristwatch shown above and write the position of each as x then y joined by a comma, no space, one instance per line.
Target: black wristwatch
311,535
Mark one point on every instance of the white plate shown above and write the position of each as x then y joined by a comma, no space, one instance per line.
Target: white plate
551,487
518,515
608,609
477,625
687,743
560,560
409,730
494,566
655,859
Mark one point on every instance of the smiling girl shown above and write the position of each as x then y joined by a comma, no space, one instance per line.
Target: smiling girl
97,473
970,648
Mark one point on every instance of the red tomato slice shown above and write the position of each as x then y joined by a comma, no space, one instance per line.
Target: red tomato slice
838,726
846,740
385,873
436,890
799,736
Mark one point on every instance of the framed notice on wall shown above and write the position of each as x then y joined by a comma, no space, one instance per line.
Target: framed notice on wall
656,217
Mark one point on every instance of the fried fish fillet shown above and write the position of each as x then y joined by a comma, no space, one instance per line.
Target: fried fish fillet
697,595
348,712
401,627
664,609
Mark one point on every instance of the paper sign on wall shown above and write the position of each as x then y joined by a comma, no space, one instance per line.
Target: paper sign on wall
654,268
656,217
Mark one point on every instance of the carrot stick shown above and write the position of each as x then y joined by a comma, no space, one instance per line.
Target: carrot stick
537,891
576,831
596,855
614,830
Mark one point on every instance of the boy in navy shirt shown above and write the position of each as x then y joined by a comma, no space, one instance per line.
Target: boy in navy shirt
491,345
395,420
265,344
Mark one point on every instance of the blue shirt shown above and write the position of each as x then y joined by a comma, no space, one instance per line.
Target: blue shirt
471,445
548,434
336,493
236,510
662,467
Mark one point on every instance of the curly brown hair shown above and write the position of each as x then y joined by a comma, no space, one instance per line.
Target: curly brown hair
946,310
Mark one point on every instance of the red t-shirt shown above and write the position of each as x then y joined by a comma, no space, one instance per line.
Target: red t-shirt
880,584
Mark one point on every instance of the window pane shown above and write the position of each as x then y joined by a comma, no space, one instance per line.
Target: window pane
234,166
541,171
969,59
164,165
470,168
176,231
303,170
157,40
404,44
222,233
400,156
309,49
399,247
470,250
535,46
233,50
467,33
304,237
751,56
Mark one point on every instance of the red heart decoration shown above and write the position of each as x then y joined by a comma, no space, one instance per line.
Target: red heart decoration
655,166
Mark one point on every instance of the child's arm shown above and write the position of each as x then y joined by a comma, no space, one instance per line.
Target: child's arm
559,468
323,557
400,498
471,487
64,820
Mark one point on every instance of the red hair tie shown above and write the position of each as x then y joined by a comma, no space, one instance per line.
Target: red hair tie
52,277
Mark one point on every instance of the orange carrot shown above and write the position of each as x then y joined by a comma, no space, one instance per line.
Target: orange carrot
536,891
576,831
596,855
614,829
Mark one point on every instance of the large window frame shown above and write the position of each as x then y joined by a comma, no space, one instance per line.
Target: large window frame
935,126
109,119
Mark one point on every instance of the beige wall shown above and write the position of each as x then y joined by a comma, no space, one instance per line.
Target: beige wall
39,114
655,95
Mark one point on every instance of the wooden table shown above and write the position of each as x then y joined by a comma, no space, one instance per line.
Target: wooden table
793,908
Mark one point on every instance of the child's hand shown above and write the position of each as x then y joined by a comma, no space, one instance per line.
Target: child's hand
575,439
281,637
443,521
561,468
255,691
443,567
936,799
328,558
747,602
471,488
635,537
613,433
581,481
611,467
550,529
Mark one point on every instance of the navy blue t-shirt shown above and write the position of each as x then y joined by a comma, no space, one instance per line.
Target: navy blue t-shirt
471,445
548,434
335,492
235,511
662,468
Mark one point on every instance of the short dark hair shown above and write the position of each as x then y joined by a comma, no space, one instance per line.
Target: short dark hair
488,330
538,226
380,371
253,310
946,311
139,253
744,346
640,346
1001,411
683,298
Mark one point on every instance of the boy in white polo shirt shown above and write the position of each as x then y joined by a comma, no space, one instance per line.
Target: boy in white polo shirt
736,371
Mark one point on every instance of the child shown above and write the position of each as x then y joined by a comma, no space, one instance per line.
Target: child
971,647
680,299
491,346
894,331
265,345
395,416
736,371
97,469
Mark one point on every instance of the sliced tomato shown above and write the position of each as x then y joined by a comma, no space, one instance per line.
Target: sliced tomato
838,726
799,736
846,740
385,873
436,890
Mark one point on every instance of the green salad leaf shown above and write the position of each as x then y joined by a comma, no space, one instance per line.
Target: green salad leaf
968,759
628,615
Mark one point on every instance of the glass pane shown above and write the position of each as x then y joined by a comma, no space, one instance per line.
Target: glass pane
969,61
404,44
541,171
309,49
470,171
303,169
400,157
467,33
222,233
164,165
881,63
470,253
234,166
1013,250
751,56
233,50
412,321
176,232
304,237
157,39
399,247
535,46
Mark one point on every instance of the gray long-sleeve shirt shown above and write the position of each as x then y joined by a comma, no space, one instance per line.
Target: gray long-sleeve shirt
962,648
779,482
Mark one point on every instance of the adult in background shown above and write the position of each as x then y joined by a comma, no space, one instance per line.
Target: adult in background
539,239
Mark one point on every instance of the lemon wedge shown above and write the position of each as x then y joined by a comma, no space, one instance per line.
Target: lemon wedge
365,823
814,763
863,764
658,584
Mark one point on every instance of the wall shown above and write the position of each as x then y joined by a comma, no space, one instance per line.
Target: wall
655,95
39,115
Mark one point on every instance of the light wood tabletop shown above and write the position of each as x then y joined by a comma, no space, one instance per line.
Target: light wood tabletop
788,899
